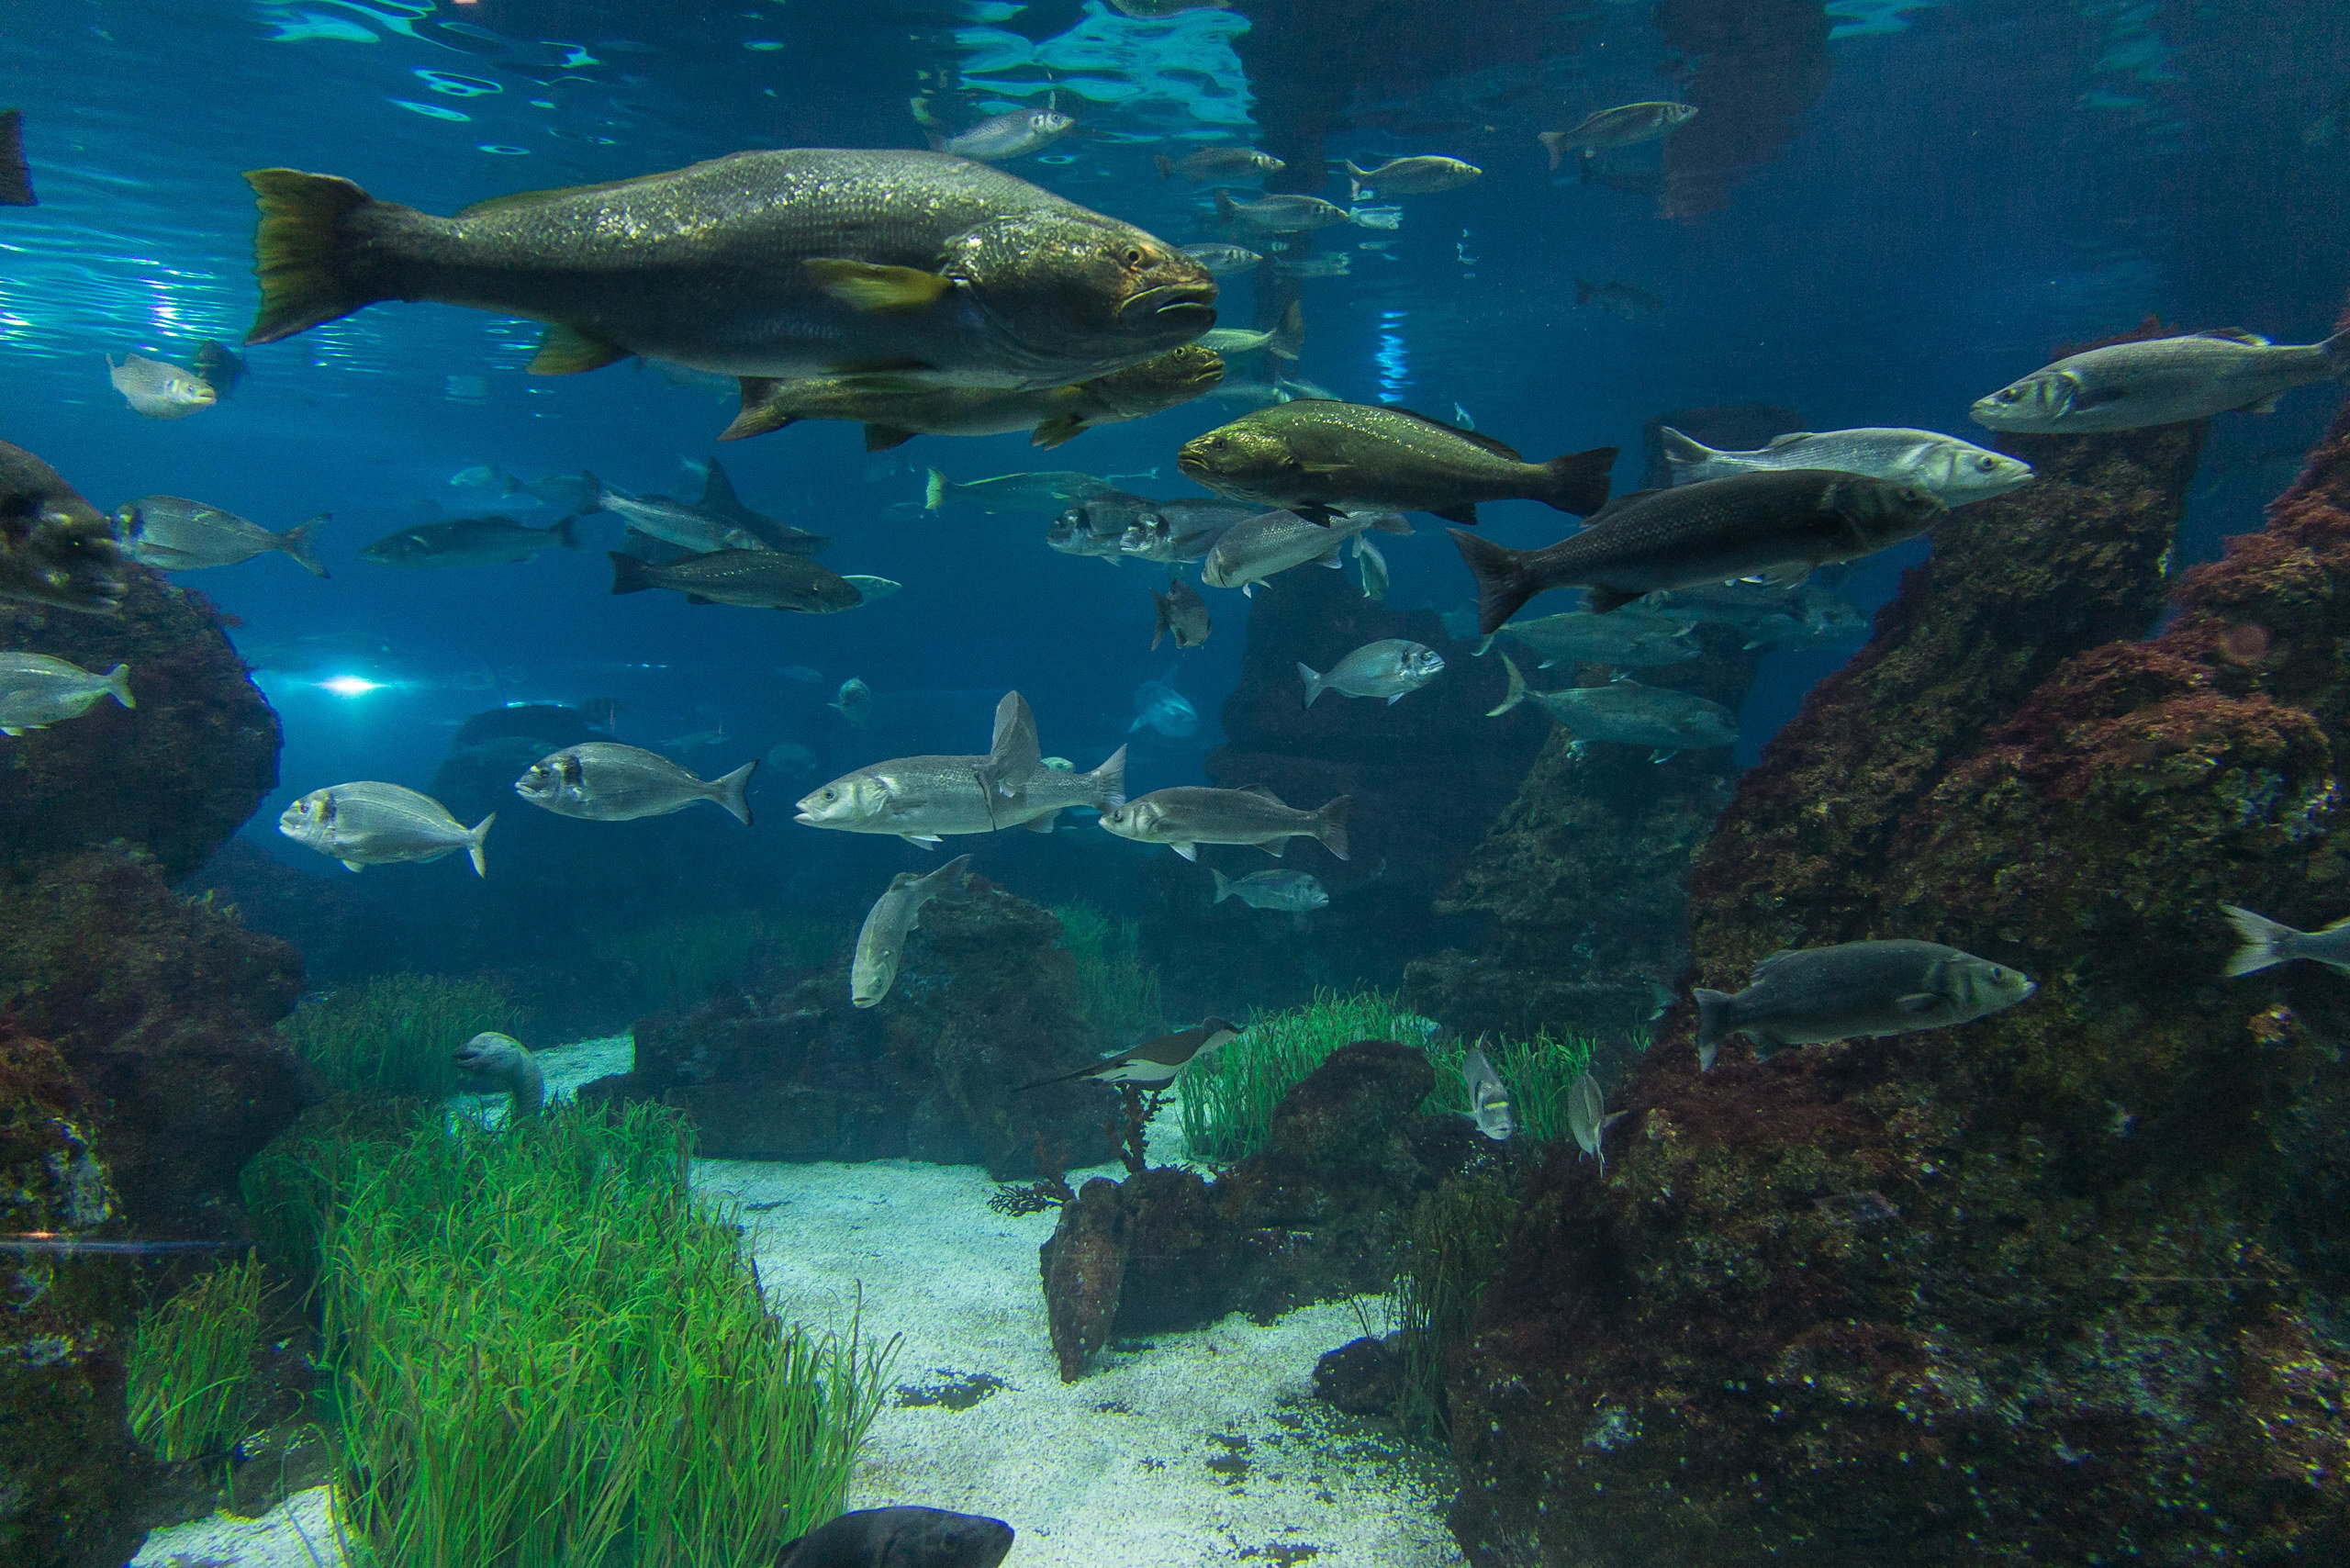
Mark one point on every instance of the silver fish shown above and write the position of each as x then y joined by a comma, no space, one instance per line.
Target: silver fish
1409,176
2268,943
604,782
1222,260
1278,214
1217,163
468,541
920,798
1628,638
1392,668
882,941
1371,563
1271,543
171,535
1013,134
1587,1117
1294,891
2161,381
1626,124
373,824
1188,816
675,522
37,690
159,390
1625,713
1489,1104
1808,996
1957,471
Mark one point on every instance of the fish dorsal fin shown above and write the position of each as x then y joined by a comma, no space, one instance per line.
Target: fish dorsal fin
1262,791
2236,335
1765,966
1488,443
1789,439
718,490
521,200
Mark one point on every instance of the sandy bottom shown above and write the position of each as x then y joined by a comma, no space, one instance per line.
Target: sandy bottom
1187,1448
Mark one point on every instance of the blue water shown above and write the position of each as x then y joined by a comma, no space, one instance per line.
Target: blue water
1976,182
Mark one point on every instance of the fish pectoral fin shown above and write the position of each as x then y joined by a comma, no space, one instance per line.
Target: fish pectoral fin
2083,396
355,864
1041,824
927,840
1918,1001
1326,467
1465,514
567,351
1188,851
1057,429
869,286
881,438
697,598
2265,405
1274,847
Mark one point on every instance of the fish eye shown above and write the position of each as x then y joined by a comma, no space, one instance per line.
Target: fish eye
1986,464
1133,255
2008,395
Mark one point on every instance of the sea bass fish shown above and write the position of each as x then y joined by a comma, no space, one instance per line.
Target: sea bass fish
172,535
603,781
1311,456
1180,614
38,690
1626,124
1218,163
1015,133
803,263
2268,943
1409,176
675,522
468,541
1271,543
1808,996
159,390
1625,713
372,823
882,941
1392,668
1054,415
920,798
1293,891
1278,214
1190,815
1957,471
1775,524
55,547
2161,381
1628,638
1019,492
1769,615
753,579
1222,260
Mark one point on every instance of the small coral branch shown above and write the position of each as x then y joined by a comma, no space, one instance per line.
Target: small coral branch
1050,1191
1128,1128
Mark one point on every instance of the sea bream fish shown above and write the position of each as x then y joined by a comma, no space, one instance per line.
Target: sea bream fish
1957,471
1808,996
1169,534
1271,543
882,940
373,824
56,549
801,263
1489,1105
1187,816
160,390
38,689
1392,668
604,782
1180,614
2161,381
1778,525
173,534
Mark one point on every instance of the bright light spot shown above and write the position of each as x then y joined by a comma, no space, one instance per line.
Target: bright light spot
350,686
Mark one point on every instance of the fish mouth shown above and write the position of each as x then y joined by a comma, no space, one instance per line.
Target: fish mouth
1173,304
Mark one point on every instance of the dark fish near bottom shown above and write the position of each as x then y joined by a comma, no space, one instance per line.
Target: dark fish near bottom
900,1538
1182,614
16,178
754,579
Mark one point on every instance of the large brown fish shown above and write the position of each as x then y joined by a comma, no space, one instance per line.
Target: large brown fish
803,263
1778,524
55,548
1311,456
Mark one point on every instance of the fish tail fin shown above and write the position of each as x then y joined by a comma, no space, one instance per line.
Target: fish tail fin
934,491
476,838
2264,941
297,541
566,532
1313,678
300,252
1330,824
1554,143
1680,449
1517,689
1224,208
1107,783
1504,585
1161,616
1579,480
1713,1024
755,417
1165,167
727,791
117,681
628,574
1223,886
2336,349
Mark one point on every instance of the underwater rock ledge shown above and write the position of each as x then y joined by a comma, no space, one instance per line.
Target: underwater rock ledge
2063,1285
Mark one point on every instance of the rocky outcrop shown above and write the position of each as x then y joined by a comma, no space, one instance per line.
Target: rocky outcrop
2065,1284
784,1067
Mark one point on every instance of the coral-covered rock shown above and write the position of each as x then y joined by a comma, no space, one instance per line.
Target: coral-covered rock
784,1067
174,776
1085,1268
1360,1377
2064,1284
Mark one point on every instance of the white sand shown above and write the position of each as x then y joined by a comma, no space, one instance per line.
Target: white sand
1202,1448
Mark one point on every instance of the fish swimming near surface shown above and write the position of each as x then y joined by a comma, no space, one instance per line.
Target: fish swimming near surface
1392,668
1587,1117
1620,299
752,579
900,1538
1278,214
1222,260
1626,124
1808,996
604,782
882,941
853,702
1154,1064
1409,176
1311,456
2268,943
1371,564
1293,891
1180,614
799,263
508,1062
16,177
1778,525
2161,381
1628,638
468,542
1015,133
1625,713
1956,471
1489,1105
373,824
1052,415
1187,816
1217,163
160,390
38,689
172,535
921,799
221,366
